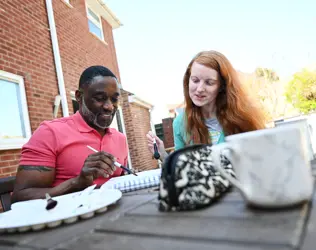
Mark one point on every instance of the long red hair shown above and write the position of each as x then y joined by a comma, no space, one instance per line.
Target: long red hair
234,109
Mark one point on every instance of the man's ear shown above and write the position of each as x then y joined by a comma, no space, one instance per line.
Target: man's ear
78,96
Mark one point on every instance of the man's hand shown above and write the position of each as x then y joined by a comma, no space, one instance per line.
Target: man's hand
33,182
96,165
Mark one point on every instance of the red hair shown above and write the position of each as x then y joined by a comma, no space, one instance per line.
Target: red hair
234,109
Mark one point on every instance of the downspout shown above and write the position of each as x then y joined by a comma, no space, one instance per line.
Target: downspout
152,126
153,129
59,70
125,133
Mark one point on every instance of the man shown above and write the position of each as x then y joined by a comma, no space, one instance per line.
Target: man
56,160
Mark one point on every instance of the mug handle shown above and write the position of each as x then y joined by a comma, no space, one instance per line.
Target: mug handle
217,151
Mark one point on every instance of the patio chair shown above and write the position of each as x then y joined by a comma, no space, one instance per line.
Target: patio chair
6,187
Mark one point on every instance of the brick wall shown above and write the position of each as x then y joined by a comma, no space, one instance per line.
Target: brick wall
168,132
137,124
9,160
78,47
25,50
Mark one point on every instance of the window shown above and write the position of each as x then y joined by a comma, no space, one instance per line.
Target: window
15,125
94,22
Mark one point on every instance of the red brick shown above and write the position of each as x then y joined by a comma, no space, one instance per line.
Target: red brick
136,134
9,163
25,41
8,170
7,157
168,132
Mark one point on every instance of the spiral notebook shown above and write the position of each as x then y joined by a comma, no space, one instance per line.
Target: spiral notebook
129,183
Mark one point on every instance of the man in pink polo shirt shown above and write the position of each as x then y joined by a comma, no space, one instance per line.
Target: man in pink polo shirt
56,160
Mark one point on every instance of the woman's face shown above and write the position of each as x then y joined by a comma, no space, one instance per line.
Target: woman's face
204,84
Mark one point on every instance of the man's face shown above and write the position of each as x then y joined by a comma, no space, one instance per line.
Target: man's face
99,101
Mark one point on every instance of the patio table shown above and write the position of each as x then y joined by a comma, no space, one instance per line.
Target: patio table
136,223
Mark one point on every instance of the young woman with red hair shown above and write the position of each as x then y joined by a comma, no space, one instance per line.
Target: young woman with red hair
216,105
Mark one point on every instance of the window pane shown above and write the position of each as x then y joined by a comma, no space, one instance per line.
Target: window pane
11,116
94,16
95,29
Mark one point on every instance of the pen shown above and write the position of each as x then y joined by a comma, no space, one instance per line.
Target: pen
115,163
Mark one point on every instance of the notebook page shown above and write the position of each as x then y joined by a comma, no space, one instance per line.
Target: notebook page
128,183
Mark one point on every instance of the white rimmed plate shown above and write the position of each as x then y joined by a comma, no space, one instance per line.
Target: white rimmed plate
28,215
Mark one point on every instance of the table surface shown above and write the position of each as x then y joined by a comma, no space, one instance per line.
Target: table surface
135,223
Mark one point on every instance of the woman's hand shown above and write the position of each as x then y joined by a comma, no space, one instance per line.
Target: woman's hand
160,145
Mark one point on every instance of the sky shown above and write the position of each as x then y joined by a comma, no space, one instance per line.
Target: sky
159,38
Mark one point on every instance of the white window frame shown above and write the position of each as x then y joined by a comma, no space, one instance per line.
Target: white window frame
6,144
67,2
90,18
73,95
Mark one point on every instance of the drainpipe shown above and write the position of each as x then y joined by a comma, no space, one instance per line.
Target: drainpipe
152,126
124,132
59,70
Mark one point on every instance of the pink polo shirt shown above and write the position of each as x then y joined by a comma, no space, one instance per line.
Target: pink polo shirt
62,144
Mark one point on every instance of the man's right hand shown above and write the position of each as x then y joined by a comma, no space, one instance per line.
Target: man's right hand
96,165
33,182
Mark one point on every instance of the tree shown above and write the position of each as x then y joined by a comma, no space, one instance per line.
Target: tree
268,74
269,89
301,91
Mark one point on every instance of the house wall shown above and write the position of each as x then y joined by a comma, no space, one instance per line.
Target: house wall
78,47
25,50
168,132
137,124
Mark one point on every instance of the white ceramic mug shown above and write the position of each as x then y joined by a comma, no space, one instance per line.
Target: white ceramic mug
306,128
272,166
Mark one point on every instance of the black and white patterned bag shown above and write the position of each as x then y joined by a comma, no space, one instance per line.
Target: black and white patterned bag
190,181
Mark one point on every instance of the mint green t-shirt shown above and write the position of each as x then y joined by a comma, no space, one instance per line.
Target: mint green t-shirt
180,136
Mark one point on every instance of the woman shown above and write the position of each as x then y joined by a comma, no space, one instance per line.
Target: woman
216,105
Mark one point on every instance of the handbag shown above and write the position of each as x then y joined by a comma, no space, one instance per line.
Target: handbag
190,181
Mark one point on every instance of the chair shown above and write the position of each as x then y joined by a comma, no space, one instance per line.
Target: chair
6,187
